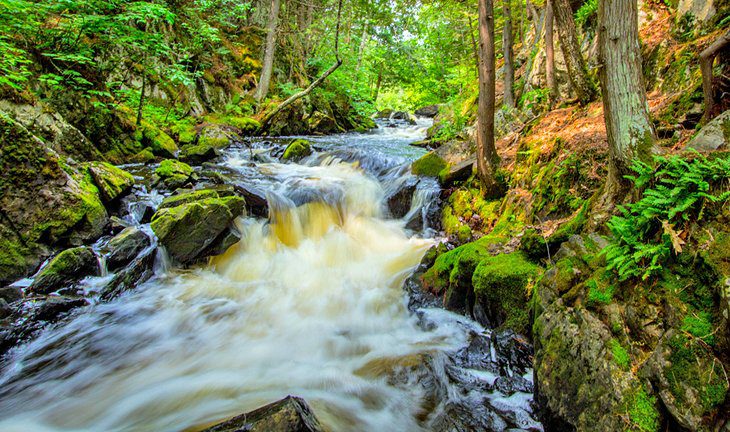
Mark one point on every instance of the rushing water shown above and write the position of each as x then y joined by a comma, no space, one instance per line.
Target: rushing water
309,303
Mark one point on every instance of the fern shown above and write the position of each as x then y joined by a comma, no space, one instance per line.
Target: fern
647,233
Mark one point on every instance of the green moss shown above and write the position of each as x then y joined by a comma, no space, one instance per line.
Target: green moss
188,197
184,130
643,412
158,141
533,245
216,142
144,156
110,180
429,165
599,293
620,355
297,149
570,228
171,167
503,280
700,326
693,369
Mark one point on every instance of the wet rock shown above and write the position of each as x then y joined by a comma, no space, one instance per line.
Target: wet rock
429,111
43,206
137,272
384,114
189,224
430,165
291,414
11,294
256,202
297,150
174,174
112,182
713,136
198,154
403,116
66,268
117,224
514,352
511,385
399,202
223,242
125,246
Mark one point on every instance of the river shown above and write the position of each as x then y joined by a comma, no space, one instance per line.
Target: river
310,303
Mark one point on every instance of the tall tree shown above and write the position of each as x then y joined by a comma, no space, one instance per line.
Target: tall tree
509,66
550,52
262,89
577,70
487,158
625,109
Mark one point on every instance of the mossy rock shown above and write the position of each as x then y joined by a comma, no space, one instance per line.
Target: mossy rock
158,141
297,150
66,268
501,285
197,154
188,196
144,156
125,246
111,181
248,126
430,165
190,227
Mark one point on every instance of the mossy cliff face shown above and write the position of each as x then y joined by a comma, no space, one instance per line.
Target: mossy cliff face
44,203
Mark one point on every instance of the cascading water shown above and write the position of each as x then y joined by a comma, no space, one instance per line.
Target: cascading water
309,304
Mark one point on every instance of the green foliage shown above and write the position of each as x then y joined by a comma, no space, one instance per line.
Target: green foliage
646,236
586,14
620,355
429,165
535,99
700,326
643,412
598,295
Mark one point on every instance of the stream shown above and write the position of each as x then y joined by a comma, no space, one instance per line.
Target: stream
310,303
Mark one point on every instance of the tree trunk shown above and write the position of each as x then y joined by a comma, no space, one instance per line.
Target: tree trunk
577,70
550,53
707,58
363,45
338,62
263,86
625,109
509,67
487,158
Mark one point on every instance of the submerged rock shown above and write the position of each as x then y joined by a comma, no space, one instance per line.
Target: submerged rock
399,202
188,223
112,182
290,414
68,267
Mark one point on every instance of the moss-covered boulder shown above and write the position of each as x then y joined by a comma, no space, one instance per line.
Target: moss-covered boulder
501,286
173,173
429,165
156,140
66,268
45,204
197,220
111,181
297,150
198,154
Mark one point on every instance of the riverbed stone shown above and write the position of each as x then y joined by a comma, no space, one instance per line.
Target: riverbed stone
188,228
125,246
429,111
399,202
297,150
291,414
173,173
65,268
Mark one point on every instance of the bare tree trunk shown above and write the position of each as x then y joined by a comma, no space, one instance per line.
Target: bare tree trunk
263,87
363,45
625,109
707,58
487,158
550,53
509,67
378,83
338,62
577,70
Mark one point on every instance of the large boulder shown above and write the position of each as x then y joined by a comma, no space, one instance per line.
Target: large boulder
66,268
173,173
187,224
43,206
290,414
714,136
111,181
429,111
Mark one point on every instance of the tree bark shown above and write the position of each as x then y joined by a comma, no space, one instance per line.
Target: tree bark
263,86
625,108
509,67
487,158
338,62
378,83
577,70
550,53
707,58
